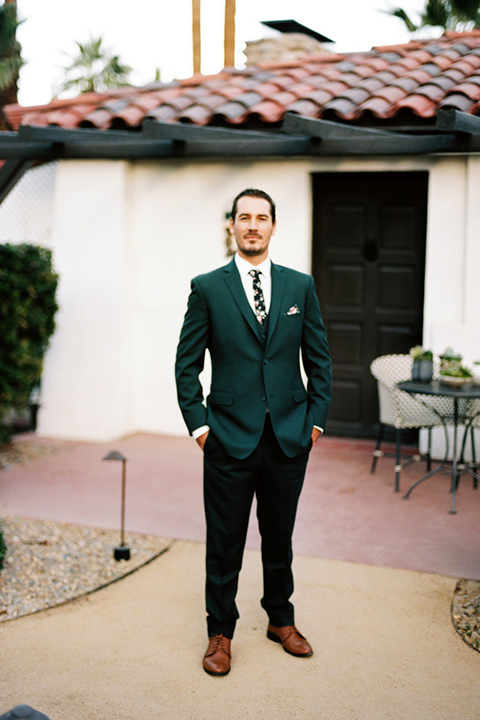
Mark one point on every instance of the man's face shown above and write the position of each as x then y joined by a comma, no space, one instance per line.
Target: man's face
253,227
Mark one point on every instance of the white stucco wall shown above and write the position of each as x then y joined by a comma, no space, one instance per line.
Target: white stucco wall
87,371
128,237
452,310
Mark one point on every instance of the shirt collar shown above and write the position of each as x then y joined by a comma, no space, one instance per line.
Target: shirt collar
244,266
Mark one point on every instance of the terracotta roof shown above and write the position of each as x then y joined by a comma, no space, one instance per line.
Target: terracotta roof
376,86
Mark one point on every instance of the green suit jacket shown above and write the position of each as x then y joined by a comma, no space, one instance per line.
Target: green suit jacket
248,375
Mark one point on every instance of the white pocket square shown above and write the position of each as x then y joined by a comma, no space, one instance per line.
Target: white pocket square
294,310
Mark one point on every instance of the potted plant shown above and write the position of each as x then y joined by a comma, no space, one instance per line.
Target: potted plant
422,367
452,372
449,360
476,372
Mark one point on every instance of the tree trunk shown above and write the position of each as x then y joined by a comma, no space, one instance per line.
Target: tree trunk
196,36
229,40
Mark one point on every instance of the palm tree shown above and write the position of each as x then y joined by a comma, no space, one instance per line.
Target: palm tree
447,14
10,53
229,40
94,69
196,36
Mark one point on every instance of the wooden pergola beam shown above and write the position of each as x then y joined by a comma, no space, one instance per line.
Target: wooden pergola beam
452,120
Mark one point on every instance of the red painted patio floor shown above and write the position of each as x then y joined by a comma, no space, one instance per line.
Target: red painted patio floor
345,512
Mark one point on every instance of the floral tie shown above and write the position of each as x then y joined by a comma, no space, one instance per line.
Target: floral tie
258,297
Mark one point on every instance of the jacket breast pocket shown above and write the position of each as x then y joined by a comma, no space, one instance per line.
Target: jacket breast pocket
220,397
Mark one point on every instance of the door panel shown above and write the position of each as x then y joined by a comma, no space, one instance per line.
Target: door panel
368,264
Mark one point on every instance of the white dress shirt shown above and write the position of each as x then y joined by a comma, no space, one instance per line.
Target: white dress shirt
265,270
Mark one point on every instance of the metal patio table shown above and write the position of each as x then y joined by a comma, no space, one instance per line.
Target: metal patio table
455,406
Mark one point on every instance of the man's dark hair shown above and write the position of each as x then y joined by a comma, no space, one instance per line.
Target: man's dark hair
253,192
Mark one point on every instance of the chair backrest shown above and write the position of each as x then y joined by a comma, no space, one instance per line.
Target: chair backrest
392,369
398,408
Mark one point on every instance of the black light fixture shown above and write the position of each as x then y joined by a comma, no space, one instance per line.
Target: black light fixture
23,711
121,552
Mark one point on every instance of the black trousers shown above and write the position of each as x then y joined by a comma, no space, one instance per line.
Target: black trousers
229,487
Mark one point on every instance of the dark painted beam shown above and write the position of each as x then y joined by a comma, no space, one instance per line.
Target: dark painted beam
339,139
385,145
187,133
10,173
25,150
451,120
276,146
52,133
294,124
130,149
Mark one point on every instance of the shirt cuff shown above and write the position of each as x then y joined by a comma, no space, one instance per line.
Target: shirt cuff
319,428
200,431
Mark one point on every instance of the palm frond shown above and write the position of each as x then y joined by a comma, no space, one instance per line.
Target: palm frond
401,14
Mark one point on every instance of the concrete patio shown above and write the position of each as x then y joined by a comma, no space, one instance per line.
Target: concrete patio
375,577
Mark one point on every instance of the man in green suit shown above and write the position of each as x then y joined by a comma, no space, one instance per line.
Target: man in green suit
259,422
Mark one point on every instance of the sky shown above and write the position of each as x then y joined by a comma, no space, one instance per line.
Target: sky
151,34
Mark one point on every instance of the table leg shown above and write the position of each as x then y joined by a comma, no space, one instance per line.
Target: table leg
433,472
455,474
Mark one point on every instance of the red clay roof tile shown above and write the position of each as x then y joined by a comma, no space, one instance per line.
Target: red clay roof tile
464,66
269,111
419,104
305,107
356,95
284,97
409,63
100,118
458,101
233,112
431,91
164,113
197,115
442,61
470,89
408,84
321,97
346,109
413,79
379,107
391,94
371,84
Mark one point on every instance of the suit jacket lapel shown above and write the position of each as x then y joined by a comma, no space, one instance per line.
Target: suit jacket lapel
278,285
234,283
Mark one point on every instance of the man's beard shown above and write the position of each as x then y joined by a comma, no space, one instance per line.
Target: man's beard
252,251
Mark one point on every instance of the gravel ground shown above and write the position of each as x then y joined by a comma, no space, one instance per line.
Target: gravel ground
49,563
19,453
466,612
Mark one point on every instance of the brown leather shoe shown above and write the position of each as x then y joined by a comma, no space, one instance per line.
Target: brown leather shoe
216,660
293,642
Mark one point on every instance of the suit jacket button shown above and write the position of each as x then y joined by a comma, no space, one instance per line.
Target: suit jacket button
265,362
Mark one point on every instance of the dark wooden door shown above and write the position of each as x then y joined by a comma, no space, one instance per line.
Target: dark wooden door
369,267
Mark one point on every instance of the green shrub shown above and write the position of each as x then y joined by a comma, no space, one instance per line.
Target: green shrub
27,310
3,549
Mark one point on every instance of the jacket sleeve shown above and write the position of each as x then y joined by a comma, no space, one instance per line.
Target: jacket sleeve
316,359
190,360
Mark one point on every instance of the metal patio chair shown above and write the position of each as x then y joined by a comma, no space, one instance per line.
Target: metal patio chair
400,410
